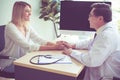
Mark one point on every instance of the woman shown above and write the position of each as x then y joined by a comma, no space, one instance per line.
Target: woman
18,37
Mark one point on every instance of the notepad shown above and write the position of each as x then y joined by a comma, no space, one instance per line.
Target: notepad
60,59
65,60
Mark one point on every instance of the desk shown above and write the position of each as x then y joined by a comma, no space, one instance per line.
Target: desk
24,70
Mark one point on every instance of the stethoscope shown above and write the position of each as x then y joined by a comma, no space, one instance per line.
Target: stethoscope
36,59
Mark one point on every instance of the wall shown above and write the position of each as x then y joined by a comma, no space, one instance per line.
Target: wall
44,28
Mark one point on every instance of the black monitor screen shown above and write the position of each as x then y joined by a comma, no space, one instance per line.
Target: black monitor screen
74,15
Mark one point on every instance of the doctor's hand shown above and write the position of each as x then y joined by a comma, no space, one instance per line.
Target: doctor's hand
66,44
67,51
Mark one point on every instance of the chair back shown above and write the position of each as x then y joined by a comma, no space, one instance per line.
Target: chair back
2,45
2,39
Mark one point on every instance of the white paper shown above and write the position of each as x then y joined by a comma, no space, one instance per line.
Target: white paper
61,59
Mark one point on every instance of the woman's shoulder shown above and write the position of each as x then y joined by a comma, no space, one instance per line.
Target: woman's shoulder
10,25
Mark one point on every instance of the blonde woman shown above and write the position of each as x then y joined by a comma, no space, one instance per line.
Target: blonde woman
18,35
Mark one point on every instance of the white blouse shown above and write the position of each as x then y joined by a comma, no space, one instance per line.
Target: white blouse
17,45
103,57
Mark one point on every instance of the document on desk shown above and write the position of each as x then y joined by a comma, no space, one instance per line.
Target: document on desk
56,59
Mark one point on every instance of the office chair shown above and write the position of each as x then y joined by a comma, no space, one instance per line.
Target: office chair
2,45
2,39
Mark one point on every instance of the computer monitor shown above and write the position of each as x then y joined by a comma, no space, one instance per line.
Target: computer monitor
74,15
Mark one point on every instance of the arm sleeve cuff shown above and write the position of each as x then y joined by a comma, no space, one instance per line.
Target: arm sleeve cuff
76,55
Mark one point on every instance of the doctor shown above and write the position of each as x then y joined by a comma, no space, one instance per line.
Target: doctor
103,58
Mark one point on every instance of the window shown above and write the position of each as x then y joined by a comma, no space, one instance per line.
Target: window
116,11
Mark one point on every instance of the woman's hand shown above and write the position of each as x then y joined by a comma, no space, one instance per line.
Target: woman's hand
52,46
56,45
59,46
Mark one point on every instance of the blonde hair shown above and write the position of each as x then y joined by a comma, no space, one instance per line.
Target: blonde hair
17,13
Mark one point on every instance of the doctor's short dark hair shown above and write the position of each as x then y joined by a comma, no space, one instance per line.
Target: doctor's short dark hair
102,9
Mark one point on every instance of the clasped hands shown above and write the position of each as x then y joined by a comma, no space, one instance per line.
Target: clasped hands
65,46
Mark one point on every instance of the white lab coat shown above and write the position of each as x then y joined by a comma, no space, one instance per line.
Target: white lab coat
103,58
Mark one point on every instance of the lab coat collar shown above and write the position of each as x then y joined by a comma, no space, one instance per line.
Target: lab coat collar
102,28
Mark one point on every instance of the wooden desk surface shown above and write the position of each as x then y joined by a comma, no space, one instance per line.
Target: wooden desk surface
72,69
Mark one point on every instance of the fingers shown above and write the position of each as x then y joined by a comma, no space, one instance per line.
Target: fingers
60,42
67,51
66,44
60,46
